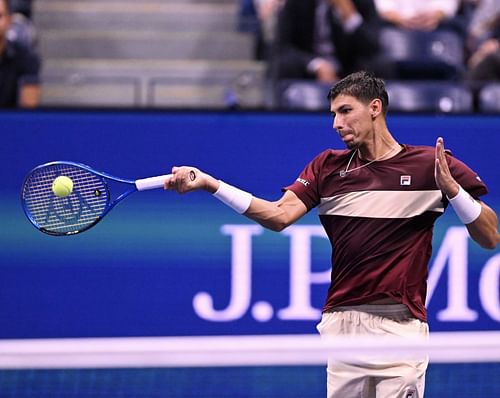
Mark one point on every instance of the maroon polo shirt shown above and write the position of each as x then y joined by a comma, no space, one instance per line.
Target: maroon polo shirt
379,220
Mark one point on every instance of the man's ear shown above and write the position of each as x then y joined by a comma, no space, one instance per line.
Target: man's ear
375,107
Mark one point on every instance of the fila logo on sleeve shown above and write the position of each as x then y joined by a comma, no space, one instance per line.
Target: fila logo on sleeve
405,180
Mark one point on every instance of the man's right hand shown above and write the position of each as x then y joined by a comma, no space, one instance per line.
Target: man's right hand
186,179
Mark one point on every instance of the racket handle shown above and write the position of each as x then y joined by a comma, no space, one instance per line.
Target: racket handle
152,182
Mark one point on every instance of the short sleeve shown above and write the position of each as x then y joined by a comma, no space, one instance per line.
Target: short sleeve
467,178
306,186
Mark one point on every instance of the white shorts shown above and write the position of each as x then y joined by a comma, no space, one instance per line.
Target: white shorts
375,378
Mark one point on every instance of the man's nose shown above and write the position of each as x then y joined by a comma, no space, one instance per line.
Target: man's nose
337,125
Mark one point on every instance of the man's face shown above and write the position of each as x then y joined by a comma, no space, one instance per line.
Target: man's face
4,20
352,120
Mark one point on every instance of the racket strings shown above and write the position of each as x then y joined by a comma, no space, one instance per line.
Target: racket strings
69,214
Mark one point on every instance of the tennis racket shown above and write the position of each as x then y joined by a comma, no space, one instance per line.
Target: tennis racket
87,204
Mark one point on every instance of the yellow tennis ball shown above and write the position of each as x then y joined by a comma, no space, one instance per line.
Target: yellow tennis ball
62,186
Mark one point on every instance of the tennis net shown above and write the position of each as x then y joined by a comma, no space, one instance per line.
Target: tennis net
462,364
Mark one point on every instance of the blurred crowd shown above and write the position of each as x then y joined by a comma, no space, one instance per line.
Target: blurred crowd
19,61
317,40
323,40
483,41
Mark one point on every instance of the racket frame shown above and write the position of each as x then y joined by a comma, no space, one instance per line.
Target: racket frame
141,184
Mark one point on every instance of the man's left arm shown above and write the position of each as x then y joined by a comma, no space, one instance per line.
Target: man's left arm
484,230
481,221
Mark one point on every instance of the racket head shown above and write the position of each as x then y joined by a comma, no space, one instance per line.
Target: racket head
83,208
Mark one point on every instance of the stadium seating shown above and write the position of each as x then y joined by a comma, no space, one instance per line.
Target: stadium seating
302,95
489,98
423,55
404,96
181,54
429,96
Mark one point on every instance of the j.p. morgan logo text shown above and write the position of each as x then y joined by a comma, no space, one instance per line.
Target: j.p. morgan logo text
450,263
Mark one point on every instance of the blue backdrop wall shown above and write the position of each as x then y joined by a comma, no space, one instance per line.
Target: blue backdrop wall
164,264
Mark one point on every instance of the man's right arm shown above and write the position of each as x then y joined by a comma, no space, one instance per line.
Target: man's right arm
275,215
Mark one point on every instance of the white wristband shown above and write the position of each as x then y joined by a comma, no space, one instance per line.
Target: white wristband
467,208
233,197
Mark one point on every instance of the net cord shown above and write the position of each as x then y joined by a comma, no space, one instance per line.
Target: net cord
258,350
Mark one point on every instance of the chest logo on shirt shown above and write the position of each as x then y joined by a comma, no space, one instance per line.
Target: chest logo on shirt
405,180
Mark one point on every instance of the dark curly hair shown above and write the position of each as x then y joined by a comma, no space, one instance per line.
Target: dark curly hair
364,86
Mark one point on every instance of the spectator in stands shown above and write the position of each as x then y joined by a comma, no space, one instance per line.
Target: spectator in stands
326,39
484,42
418,15
19,68
267,16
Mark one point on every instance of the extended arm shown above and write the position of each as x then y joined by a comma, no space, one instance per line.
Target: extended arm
272,215
481,221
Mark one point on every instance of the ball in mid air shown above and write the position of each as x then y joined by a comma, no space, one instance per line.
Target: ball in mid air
62,186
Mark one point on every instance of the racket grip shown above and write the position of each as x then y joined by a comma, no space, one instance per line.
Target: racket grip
152,182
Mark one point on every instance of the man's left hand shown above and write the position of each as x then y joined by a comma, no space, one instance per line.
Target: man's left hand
444,179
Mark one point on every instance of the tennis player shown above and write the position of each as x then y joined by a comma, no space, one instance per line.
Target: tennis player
378,201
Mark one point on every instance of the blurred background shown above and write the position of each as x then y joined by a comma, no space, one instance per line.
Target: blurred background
238,89
441,55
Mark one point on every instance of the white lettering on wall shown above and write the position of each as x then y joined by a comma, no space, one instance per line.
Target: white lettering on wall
453,250
451,261
241,277
489,287
301,275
